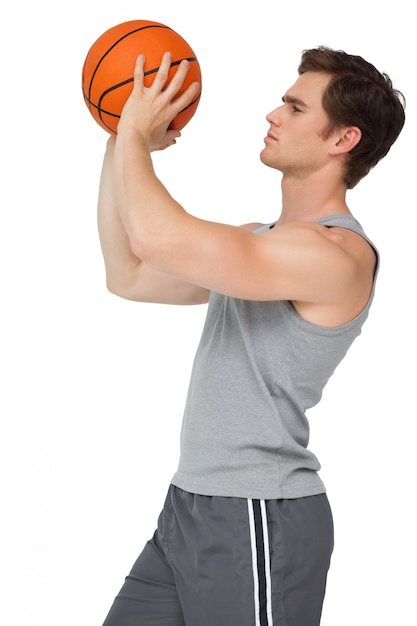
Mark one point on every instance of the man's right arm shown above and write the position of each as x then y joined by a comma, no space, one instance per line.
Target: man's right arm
126,275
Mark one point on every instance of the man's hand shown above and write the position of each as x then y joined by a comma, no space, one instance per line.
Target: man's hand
150,110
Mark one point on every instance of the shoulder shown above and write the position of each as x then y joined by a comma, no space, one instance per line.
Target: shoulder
339,265
319,236
335,255
354,244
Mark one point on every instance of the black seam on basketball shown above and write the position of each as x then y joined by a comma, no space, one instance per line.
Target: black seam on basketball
191,59
136,30
100,110
191,103
174,63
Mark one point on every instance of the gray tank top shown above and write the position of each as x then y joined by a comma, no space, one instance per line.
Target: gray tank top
258,368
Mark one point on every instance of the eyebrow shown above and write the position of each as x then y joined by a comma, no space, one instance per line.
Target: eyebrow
288,99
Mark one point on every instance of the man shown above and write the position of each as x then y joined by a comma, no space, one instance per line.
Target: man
246,535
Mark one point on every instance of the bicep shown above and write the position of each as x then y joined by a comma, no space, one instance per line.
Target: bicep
298,262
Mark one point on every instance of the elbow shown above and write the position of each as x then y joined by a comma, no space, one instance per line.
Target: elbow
112,287
120,282
121,291
115,288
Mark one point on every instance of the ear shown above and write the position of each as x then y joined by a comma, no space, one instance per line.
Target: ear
346,139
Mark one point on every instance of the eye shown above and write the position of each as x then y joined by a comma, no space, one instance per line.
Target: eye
296,109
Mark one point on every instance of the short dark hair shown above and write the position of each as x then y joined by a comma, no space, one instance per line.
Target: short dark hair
358,95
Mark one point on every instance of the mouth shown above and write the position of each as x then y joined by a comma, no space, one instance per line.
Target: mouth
270,137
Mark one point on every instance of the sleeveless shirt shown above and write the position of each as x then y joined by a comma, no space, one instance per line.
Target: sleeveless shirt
258,368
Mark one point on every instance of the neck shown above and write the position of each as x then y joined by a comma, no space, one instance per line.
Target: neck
311,199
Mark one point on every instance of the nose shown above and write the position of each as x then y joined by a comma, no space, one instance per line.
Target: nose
274,117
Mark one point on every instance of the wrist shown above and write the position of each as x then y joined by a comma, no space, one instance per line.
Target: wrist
129,134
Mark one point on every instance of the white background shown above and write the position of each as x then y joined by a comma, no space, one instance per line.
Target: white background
92,387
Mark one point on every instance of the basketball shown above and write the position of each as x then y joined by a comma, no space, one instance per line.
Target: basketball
107,75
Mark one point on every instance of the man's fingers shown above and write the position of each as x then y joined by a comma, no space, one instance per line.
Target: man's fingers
161,77
139,71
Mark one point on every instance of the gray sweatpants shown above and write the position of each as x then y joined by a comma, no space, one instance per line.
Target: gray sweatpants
216,561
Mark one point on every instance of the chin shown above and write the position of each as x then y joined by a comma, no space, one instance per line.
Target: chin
266,160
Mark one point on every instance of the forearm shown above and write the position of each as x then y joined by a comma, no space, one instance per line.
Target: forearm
149,214
120,262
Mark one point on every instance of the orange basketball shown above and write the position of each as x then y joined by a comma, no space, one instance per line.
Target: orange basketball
107,76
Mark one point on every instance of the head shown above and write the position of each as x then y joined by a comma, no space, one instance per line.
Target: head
358,95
